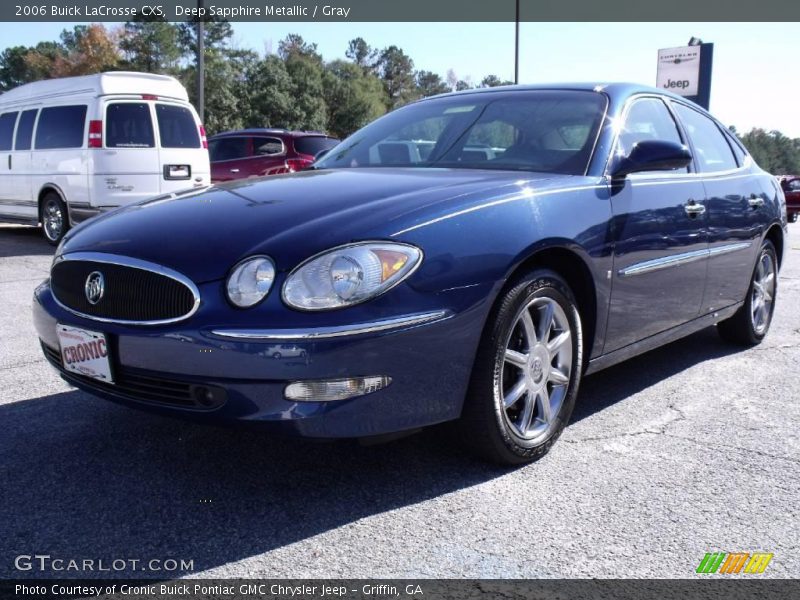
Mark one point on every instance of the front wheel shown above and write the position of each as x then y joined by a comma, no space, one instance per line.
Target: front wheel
526,373
750,323
54,217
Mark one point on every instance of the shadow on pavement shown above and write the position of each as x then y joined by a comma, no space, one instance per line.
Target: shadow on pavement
21,240
85,478
616,383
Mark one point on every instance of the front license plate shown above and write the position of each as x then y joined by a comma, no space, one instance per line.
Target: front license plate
85,352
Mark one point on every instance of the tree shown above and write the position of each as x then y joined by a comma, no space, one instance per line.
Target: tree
773,151
270,98
493,81
396,70
90,49
294,46
353,97
361,53
153,46
430,84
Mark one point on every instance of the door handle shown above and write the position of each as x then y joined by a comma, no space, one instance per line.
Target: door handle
693,208
234,170
9,161
755,201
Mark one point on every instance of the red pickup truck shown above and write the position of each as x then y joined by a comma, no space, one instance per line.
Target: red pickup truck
791,189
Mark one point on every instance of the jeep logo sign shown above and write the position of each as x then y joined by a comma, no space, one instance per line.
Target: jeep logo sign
679,70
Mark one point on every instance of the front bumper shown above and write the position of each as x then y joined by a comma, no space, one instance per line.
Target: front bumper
429,363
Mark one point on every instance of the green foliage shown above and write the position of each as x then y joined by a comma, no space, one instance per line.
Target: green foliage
152,46
773,151
430,84
353,97
396,69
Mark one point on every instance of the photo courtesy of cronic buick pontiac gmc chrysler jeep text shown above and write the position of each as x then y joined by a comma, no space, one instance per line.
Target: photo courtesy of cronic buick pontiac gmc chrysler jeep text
467,258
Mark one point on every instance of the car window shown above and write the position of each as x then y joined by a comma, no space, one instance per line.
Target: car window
264,146
61,127
177,127
793,185
543,130
7,122
712,151
128,125
312,145
228,148
25,130
648,119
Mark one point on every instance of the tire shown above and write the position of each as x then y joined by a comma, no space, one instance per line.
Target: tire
750,324
513,373
54,218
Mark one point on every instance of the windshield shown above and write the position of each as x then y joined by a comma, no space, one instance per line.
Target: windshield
546,131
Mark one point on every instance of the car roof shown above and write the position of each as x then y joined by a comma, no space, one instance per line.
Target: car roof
618,88
270,130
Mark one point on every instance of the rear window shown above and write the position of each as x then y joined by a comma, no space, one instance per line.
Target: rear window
61,127
25,130
177,127
7,121
313,144
128,125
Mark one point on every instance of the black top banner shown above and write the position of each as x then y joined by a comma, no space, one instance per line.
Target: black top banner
401,10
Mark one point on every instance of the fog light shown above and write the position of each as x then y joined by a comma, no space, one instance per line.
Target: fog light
334,389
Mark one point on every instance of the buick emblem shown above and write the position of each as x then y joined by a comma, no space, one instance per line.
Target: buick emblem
94,287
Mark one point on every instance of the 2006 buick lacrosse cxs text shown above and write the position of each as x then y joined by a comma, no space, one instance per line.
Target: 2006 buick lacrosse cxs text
467,257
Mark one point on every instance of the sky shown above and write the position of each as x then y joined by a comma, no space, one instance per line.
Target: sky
754,82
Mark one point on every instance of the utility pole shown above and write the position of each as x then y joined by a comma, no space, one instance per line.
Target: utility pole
516,46
201,64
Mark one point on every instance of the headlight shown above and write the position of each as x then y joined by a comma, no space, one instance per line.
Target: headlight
349,275
250,281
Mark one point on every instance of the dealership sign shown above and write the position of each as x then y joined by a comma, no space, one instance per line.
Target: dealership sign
679,70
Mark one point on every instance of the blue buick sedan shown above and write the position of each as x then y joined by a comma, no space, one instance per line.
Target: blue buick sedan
466,258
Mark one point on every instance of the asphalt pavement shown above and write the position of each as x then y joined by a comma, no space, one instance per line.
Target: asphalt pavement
689,449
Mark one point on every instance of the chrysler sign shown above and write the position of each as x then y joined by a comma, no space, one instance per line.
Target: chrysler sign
679,70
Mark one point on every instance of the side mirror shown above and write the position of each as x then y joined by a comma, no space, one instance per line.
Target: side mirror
652,155
320,154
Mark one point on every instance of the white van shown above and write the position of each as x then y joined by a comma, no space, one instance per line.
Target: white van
74,147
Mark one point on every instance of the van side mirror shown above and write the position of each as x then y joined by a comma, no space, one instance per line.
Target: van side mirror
652,155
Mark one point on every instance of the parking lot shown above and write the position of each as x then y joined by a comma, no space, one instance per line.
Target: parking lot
689,449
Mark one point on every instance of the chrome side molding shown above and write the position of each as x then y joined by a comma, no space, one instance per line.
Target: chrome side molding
674,260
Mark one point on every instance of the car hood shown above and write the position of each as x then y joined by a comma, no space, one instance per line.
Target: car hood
202,233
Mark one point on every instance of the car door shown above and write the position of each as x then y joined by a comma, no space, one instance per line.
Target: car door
269,156
229,157
735,201
660,236
9,205
21,189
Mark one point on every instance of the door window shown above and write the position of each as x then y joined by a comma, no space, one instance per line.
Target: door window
7,122
177,127
228,148
25,130
313,145
128,125
649,119
711,148
61,127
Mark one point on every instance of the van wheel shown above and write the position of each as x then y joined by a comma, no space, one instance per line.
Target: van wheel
526,373
54,218
751,322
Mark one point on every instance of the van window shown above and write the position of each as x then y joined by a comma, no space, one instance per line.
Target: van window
25,130
128,125
7,122
177,127
61,127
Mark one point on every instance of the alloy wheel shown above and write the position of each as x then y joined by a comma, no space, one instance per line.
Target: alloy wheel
763,293
536,370
53,220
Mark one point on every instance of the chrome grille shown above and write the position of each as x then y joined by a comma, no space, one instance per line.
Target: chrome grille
134,291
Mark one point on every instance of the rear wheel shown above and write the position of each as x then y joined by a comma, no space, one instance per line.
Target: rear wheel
526,373
750,323
54,218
